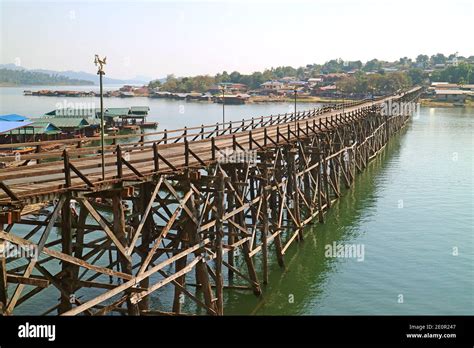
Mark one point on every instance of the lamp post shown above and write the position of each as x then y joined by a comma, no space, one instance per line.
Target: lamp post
100,63
223,106
295,91
342,95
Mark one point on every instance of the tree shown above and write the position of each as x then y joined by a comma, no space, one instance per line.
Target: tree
235,77
154,84
417,76
372,65
439,58
422,60
464,72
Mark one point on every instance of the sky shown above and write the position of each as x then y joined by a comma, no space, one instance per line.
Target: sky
185,38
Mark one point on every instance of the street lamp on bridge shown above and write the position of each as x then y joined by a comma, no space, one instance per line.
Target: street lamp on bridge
100,63
223,106
295,90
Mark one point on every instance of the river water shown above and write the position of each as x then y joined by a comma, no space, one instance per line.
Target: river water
411,211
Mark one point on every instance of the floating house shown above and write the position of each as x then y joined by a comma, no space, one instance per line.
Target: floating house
38,130
233,99
71,126
87,121
12,124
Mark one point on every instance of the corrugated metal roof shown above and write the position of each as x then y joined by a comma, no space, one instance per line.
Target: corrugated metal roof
13,117
39,126
69,122
116,111
7,126
451,91
139,109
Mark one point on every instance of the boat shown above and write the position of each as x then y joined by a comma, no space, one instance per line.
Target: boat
149,125
131,127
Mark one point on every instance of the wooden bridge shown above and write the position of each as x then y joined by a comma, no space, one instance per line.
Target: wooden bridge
200,198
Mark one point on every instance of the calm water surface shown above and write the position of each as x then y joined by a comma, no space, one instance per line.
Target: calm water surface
411,210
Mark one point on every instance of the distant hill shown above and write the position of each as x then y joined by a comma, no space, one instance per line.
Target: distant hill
80,75
23,77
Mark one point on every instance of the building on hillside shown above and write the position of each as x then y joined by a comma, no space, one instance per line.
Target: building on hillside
314,81
272,85
229,87
329,91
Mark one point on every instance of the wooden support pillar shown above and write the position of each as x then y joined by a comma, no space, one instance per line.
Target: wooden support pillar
325,174
146,191
120,233
265,213
246,253
179,265
319,188
275,214
231,229
3,277
306,177
79,242
294,190
202,275
219,199
67,280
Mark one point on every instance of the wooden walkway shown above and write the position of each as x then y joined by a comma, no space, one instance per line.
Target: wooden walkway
176,150
194,209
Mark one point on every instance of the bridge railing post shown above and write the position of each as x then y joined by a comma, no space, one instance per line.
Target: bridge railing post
155,157
67,168
165,137
118,153
186,153
213,149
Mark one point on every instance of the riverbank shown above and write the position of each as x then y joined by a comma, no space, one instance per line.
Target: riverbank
299,99
435,103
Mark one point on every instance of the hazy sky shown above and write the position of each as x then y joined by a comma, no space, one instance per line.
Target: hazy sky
155,38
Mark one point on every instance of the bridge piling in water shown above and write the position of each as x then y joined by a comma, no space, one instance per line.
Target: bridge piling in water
190,201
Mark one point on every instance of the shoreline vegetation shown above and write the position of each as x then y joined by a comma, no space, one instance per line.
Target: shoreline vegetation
263,99
438,104
450,80
19,78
